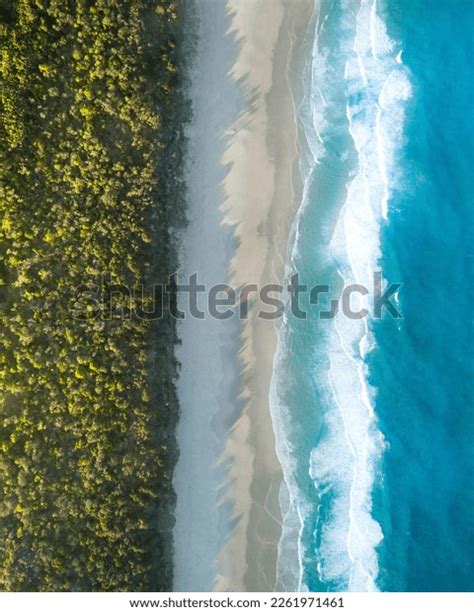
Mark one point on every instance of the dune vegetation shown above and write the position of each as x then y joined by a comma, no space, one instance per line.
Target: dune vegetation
92,114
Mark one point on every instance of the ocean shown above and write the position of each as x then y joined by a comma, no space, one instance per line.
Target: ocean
373,415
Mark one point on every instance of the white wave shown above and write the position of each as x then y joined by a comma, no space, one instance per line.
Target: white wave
345,462
294,508
356,83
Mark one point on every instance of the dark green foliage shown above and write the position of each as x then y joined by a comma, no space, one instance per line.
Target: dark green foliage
90,102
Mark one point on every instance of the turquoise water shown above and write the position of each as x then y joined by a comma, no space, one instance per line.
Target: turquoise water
373,418
424,371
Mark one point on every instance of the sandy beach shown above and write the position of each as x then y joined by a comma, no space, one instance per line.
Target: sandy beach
243,194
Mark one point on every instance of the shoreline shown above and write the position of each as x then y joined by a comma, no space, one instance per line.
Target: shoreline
244,193
281,140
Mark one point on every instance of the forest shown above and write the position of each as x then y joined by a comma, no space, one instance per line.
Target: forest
92,112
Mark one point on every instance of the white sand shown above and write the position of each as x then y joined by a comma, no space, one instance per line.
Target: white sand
241,204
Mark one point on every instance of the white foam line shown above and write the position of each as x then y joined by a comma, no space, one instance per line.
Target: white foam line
380,150
358,460
355,246
373,20
282,445
382,163
346,458
353,453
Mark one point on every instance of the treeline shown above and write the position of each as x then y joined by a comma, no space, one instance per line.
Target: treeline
92,114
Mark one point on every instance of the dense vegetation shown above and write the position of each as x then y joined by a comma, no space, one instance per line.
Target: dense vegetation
92,110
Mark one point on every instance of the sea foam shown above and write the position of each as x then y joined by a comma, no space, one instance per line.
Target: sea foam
345,462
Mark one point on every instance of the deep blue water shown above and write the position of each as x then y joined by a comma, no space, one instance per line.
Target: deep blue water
424,370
